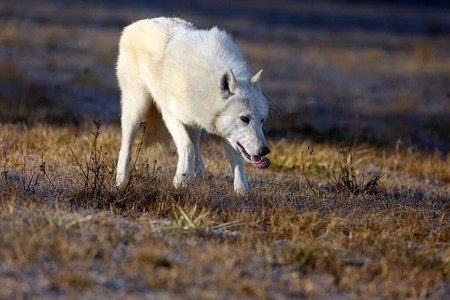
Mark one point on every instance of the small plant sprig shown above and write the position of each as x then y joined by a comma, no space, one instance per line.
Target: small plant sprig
96,171
347,178
29,184
5,177
44,171
306,176
143,125
27,181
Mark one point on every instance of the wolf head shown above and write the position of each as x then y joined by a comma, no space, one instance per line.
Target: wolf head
243,115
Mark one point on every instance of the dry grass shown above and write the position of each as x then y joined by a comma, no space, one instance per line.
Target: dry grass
354,222
150,240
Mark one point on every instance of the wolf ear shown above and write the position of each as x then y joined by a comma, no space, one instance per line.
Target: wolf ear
227,84
256,80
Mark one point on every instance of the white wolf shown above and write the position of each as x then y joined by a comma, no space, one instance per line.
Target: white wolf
175,76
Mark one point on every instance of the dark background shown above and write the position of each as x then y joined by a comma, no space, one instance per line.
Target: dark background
378,71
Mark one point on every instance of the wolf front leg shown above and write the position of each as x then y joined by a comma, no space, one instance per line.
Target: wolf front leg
237,167
194,134
185,150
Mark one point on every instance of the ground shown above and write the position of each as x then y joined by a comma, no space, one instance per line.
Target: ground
354,206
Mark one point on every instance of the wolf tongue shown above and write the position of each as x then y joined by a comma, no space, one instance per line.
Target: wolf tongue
260,163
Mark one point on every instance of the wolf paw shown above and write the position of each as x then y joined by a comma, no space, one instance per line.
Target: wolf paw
242,190
121,179
182,180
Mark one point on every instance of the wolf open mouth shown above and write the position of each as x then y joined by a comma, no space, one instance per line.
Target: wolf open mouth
257,161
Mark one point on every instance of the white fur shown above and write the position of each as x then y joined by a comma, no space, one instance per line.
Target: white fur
175,76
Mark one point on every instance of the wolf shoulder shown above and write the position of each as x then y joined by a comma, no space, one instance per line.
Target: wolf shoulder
178,64
176,44
149,37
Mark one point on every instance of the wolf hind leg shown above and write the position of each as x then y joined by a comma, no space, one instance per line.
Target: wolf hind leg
185,148
133,109
194,134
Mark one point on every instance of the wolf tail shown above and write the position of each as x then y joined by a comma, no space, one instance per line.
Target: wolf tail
156,133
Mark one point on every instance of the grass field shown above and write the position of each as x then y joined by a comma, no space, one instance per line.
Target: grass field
312,227
354,206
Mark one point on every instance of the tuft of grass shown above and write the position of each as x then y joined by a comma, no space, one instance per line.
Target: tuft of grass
349,179
95,172
306,174
344,177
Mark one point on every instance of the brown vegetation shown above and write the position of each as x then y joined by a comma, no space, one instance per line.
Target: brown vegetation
67,232
326,220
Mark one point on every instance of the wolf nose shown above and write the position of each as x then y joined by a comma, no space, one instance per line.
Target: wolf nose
264,151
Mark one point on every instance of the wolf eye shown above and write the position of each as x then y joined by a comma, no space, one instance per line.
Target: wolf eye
245,119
